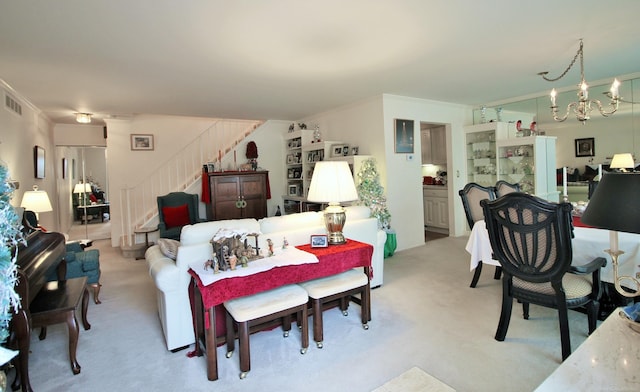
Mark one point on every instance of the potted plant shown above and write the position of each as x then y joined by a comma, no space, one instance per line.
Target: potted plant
10,231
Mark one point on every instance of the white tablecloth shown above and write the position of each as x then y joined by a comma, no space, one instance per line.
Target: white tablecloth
587,245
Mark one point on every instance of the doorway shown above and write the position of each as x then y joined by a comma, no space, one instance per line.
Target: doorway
434,157
83,193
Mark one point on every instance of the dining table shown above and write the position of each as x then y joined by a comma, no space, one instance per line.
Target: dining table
587,244
207,298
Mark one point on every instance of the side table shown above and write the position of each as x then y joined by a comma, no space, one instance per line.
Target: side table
145,231
57,302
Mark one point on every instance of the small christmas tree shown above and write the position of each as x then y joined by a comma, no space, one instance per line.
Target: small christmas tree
371,193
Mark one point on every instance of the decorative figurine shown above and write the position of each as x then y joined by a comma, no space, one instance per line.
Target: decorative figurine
302,125
244,259
270,245
285,243
233,260
316,135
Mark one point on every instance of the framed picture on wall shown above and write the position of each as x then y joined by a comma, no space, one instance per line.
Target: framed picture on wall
403,136
141,142
38,161
585,147
64,168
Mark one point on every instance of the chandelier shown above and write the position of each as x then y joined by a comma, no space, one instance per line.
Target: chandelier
582,108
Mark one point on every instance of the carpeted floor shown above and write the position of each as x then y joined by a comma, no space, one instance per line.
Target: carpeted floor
425,315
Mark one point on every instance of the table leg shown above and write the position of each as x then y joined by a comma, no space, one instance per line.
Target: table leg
212,352
72,325
85,306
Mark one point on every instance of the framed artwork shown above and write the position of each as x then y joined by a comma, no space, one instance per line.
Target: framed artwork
403,136
140,142
64,168
585,147
319,241
38,161
293,190
337,150
345,150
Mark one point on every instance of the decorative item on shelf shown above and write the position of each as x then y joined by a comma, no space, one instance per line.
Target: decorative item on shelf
483,114
582,108
499,114
302,125
292,127
316,135
614,206
252,154
332,183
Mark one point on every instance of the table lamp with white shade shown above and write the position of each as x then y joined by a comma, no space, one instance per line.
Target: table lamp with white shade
622,161
82,189
332,182
36,201
615,206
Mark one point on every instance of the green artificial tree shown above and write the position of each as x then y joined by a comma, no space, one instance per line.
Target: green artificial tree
371,193
10,230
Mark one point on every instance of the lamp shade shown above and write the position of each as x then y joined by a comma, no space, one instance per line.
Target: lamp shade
615,204
332,182
36,201
622,161
82,188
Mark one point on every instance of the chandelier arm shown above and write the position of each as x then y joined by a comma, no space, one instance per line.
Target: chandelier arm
578,53
554,110
613,105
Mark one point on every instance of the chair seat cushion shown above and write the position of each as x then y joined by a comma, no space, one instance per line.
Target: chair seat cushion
262,304
575,286
330,285
176,216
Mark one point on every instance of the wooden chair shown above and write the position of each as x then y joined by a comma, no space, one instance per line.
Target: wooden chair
471,196
503,187
326,292
253,313
531,238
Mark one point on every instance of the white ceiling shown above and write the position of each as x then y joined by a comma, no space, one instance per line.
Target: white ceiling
287,59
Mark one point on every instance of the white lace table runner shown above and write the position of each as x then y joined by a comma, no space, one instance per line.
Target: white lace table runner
281,258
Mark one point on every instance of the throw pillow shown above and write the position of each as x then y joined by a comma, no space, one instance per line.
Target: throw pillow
176,216
168,247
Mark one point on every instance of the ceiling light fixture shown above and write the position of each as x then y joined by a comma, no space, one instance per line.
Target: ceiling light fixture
83,118
582,108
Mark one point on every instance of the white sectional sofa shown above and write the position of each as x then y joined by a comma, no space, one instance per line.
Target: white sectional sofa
172,278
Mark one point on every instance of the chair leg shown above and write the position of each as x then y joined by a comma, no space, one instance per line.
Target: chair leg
230,336
245,352
505,313
286,325
96,292
565,339
593,308
365,306
498,273
317,321
305,330
476,275
525,310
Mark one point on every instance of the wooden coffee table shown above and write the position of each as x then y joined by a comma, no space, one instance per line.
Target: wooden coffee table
56,303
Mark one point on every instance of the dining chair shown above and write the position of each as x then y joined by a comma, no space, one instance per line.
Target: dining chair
503,187
531,238
471,195
253,313
327,292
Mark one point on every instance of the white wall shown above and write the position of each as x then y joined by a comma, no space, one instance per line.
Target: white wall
369,124
18,136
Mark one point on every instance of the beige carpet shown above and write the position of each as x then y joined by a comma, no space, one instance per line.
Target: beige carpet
414,380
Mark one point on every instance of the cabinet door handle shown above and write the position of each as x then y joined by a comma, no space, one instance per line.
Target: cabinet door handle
244,203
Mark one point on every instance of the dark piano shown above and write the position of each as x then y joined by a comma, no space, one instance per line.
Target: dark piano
44,251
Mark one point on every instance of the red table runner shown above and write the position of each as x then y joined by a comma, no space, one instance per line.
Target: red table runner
332,260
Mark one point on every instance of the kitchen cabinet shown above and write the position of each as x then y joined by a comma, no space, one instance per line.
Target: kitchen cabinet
436,208
434,146
480,143
530,162
236,195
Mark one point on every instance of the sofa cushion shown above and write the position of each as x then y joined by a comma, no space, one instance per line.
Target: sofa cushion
169,247
176,216
290,222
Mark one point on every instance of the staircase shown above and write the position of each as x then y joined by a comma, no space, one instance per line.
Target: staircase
179,173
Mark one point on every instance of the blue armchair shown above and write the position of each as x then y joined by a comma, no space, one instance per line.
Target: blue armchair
81,262
175,210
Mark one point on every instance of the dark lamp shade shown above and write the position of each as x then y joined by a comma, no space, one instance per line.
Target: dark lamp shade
615,204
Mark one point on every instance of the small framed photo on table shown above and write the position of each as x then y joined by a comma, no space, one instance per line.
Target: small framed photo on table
319,241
